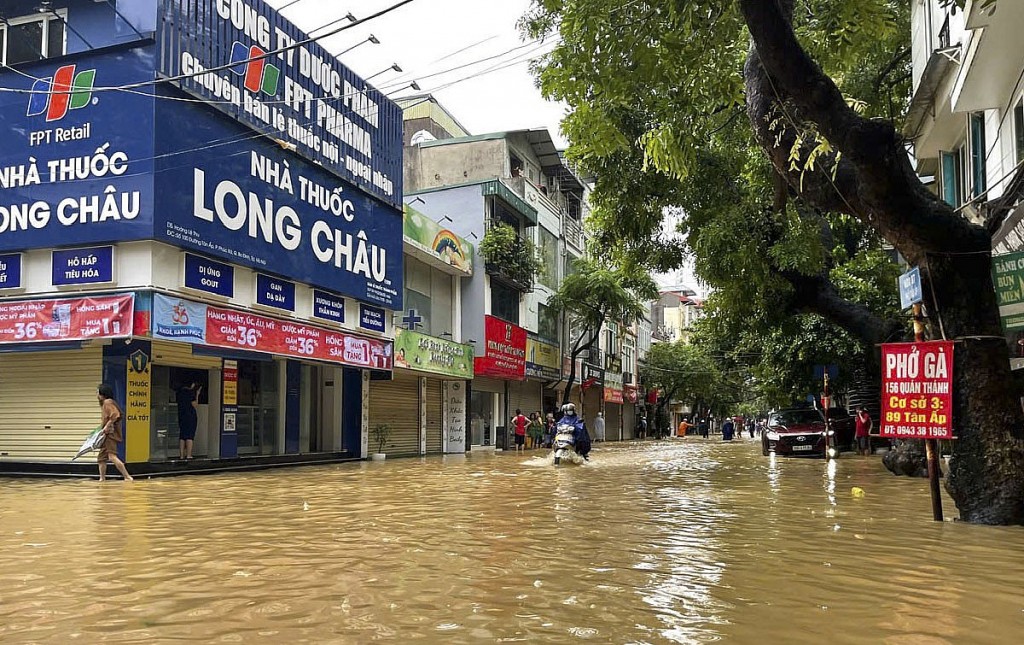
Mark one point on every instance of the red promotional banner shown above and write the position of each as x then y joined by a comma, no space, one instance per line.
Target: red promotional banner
238,330
612,395
631,394
917,390
47,321
504,351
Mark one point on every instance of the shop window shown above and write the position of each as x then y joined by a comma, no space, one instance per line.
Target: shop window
504,302
257,419
32,38
979,175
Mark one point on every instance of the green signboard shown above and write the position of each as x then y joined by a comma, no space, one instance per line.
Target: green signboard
427,235
417,351
1008,278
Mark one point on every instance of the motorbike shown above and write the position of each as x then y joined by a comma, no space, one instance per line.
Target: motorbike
564,444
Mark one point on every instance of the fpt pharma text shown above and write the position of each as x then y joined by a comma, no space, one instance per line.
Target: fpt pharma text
307,109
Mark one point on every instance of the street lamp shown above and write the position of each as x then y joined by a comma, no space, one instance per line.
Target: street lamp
371,39
394,66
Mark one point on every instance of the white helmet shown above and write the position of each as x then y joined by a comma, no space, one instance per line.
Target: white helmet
569,408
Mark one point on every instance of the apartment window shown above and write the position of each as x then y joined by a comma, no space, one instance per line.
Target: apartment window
1018,129
548,247
429,292
953,177
547,323
32,38
504,302
979,178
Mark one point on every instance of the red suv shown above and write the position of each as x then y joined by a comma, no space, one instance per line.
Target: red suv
801,431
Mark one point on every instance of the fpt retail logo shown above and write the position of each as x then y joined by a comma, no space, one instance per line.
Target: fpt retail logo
66,90
260,76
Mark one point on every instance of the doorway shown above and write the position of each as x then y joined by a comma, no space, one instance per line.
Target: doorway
163,431
320,423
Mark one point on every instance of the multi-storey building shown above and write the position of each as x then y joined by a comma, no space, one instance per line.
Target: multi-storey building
225,219
966,117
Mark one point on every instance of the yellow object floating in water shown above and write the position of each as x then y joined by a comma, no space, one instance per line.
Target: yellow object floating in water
856,491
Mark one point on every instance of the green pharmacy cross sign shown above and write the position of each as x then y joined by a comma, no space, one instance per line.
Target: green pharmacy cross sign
1008,278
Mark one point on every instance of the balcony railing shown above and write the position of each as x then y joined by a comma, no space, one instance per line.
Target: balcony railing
944,34
572,231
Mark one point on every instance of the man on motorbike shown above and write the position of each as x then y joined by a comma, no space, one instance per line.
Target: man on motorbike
580,435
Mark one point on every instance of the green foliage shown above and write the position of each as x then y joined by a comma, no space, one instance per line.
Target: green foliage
596,294
381,436
508,253
655,92
686,372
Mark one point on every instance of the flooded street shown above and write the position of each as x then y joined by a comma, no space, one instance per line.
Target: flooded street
682,542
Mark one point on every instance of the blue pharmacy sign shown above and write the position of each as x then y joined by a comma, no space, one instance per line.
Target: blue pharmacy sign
274,292
93,265
910,288
371,318
246,201
327,306
10,271
206,275
77,165
303,96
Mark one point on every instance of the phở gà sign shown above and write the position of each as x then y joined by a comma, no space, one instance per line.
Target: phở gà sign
917,390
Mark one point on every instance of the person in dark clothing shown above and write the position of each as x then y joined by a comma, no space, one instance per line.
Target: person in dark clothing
581,438
728,429
188,419
702,427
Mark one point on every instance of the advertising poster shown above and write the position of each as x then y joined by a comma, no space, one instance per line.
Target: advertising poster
505,351
47,321
454,413
1008,278
184,321
613,395
429,237
417,351
70,169
543,360
917,390
137,406
230,378
304,96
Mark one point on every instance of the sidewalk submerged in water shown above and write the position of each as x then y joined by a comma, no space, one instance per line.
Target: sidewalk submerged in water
86,467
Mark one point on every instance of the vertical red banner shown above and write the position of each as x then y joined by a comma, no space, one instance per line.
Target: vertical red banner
917,390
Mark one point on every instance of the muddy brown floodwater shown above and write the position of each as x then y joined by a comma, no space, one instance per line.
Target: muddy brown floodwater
675,542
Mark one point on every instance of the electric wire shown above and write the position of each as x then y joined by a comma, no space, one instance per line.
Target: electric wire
225,66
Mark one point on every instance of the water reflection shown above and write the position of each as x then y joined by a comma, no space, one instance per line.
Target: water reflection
686,541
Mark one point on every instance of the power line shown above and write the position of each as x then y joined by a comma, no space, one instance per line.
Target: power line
219,68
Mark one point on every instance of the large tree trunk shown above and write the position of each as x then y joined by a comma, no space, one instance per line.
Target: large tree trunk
876,183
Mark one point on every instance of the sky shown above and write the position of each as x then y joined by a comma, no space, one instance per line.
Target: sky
427,38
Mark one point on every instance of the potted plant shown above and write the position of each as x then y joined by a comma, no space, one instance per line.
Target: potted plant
381,435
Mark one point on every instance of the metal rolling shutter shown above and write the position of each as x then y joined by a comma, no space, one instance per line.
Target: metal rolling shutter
396,403
180,355
48,403
628,421
434,414
613,414
525,396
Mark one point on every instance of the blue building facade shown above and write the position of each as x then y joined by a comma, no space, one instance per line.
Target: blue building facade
191,192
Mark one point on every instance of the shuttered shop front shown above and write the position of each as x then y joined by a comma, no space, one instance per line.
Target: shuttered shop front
396,403
435,423
628,421
48,403
525,396
613,414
